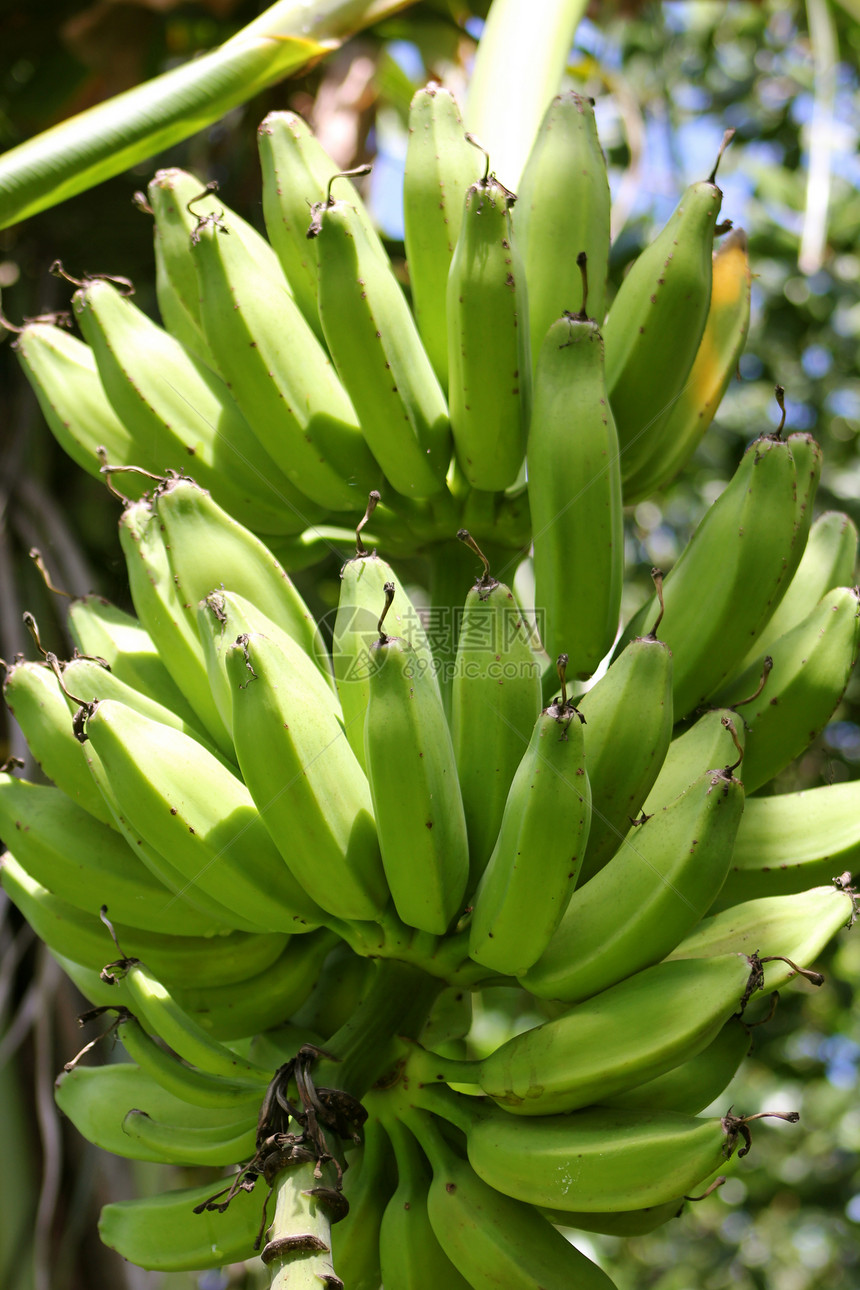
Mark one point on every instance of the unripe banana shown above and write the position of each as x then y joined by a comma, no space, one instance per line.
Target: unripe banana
714,740
575,496
279,375
489,365
183,1145
372,338
810,669
563,209
296,173
715,363
495,699
648,897
656,322
696,1083
440,166
232,1096
311,792
745,551
419,810
368,1183
158,1233
628,727
533,870
631,1032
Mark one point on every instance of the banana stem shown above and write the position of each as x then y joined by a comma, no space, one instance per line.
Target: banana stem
298,1251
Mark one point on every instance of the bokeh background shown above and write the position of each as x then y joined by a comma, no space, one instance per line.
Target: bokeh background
668,79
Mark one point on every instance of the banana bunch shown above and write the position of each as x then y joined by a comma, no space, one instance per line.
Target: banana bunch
308,852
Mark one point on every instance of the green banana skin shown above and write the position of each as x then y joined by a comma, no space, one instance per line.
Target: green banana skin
798,926
829,560
575,496
489,366
87,864
97,1099
787,844
656,322
372,338
163,1233
179,407
367,1185
183,1145
101,630
313,796
440,166
33,696
532,872
279,374
166,616
649,895
707,742
495,700
189,960
341,985
625,1222
360,602
735,569
62,372
595,1160
695,1084
208,549
632,1032
491,1238
628,728
230,1096
419,811
200,815
811,668
562,209
296,173
222,617
410,1255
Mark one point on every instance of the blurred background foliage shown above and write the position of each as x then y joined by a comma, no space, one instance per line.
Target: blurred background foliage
668,79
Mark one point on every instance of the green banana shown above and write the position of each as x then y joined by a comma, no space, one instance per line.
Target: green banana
410,1255
167,616
745,552
213,960
98,1098
194,811
792,842
180,409
594,1160
62,372
628,727
296,173
372,338
696,1083
418,810
652,892
714,740
563,209
716,361
279,374
186,1145
168,1233
234,1096
34,697
656,322
101,630
533,869
489,367
623,1222
208,549
311,793
491,1238
632,1032
829,560
368,1183
87,864
575,495
440,166
798,926
811,666
495,699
